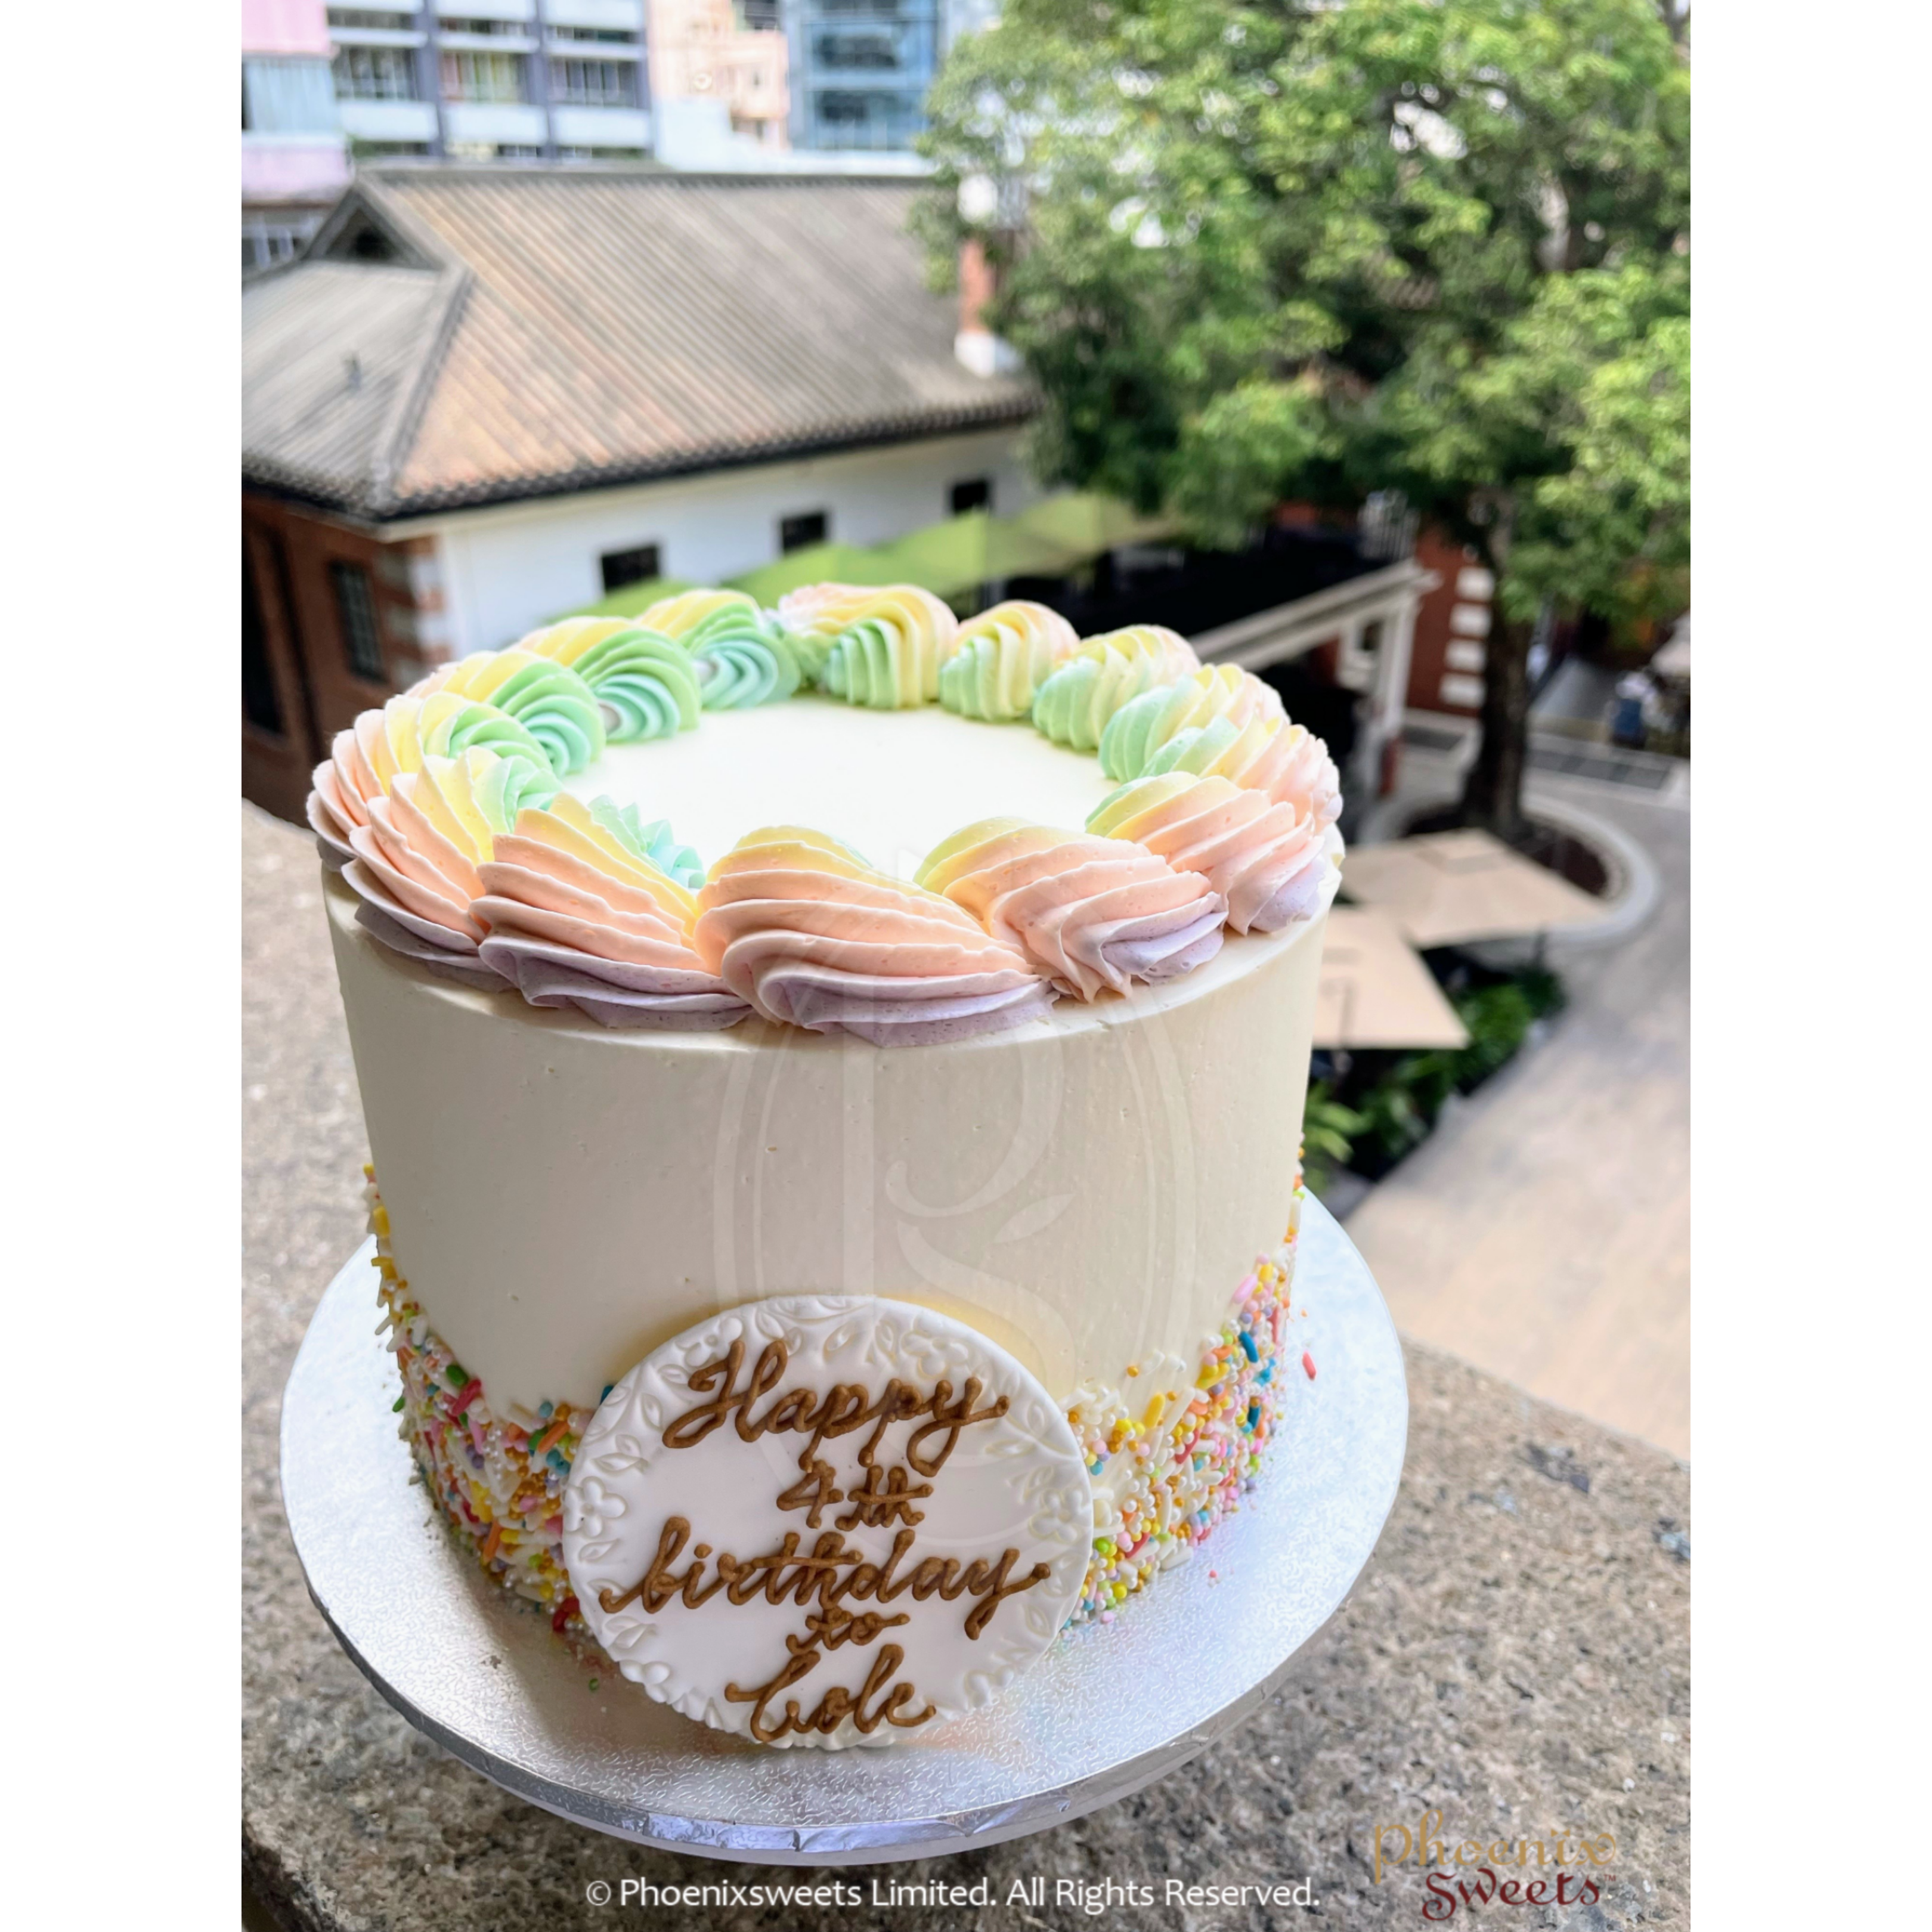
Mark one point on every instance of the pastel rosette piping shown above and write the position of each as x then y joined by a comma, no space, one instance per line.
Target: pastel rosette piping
740,654
573,911
366,760
1001,657
1284,761
643,682
884,645
813,937
1091,913
1143,724
799,610
1273,864
416,859
1075,704
554,705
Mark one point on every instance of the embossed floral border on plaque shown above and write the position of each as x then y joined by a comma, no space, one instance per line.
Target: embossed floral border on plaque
1005,1513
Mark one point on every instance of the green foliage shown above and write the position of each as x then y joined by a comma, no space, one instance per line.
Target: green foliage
1328,1130
1275,248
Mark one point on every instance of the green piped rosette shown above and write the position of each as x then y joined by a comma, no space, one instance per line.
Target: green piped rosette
652,842
493,729
1194,750
559,709
645,681
1062,705
509,786
1142,726
865,665
745,656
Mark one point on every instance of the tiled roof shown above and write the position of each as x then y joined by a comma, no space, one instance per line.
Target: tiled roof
533,331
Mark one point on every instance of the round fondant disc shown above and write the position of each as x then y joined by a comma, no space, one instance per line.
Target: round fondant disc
827,1520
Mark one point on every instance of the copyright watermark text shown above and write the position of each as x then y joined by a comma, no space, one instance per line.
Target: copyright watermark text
1092,1896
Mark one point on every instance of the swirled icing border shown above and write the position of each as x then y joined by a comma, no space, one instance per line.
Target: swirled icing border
443,813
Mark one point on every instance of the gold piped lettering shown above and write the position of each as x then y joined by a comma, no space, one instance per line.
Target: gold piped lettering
820,1579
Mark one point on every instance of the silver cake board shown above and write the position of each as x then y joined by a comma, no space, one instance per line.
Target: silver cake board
482,1673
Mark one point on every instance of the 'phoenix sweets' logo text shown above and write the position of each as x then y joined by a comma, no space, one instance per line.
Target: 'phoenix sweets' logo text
1555,1871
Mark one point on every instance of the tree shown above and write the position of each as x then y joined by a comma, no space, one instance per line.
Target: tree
1301,249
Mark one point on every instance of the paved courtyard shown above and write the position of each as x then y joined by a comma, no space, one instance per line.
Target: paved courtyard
1543,1232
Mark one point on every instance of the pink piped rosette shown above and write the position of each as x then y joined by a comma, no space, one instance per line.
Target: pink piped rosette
571,917
1090,914
363,762
813,937
1273,864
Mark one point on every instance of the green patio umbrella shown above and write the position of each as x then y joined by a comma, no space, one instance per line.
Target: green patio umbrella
816,563
959,555
1086,523
633,600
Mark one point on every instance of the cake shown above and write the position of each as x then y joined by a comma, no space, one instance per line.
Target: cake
833,1077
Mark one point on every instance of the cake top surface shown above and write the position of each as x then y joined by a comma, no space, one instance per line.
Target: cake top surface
891,787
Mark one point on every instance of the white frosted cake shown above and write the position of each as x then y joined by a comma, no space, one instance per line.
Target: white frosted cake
835,1077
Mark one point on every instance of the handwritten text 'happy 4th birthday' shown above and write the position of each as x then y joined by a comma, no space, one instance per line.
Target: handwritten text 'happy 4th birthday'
832,1572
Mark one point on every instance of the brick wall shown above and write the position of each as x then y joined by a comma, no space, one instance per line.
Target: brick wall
308,574
1445,665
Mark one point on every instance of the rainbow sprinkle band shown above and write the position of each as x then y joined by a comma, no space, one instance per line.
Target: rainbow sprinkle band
1163,1478
500,1483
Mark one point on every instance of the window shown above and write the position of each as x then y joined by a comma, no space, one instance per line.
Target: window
869,121
261,705
368,244
375,74
593,83
975,493
287,97
389,19
1355,662
469,76
356,612
266,240
875,52
609,37
621,567
796,532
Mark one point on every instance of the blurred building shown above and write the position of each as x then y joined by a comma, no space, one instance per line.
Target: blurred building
294,163
1447,668
485,397
718,82
494,79
861,69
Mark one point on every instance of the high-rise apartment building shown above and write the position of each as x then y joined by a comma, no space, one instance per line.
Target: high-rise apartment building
494,79
861,69
293,160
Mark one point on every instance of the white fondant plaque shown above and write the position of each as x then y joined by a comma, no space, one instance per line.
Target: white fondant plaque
826,1520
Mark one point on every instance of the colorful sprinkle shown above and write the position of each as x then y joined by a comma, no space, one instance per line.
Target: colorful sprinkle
1182,1478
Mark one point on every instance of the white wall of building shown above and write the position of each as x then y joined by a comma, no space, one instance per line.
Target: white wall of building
508,569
